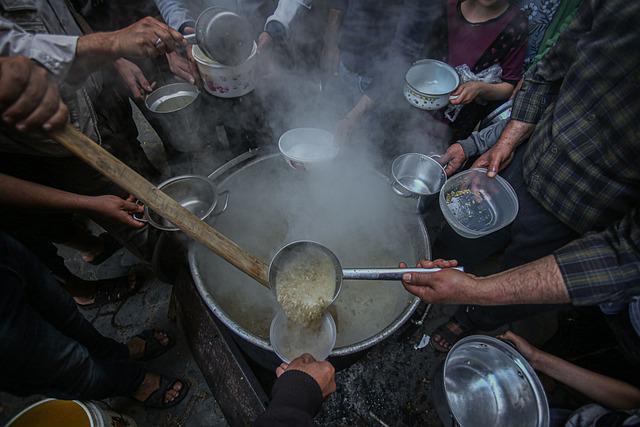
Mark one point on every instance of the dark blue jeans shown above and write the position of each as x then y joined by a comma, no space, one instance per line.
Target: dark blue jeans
46,345
535,233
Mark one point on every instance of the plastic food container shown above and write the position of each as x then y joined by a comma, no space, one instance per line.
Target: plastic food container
319,344
226,81
302,147
475,205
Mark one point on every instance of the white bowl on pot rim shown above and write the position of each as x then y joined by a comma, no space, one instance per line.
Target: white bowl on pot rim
226,81
305,147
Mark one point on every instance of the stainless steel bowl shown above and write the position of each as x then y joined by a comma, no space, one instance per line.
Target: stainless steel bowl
195,193
418,177
489,383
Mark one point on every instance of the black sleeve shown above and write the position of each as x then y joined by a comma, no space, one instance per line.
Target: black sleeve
296,398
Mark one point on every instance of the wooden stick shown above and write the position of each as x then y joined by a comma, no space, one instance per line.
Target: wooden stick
98,158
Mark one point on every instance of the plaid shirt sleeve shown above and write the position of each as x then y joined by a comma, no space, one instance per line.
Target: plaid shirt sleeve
542,82
603,266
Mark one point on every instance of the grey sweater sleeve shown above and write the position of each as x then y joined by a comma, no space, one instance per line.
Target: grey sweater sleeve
481,141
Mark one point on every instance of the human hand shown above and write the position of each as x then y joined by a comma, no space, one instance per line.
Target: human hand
134,78
113,208
147,37
497,158
29,98
467,93
181,67
344,129
530,352
453,159
264,41
322,372
448,286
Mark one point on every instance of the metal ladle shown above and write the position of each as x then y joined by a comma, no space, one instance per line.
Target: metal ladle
295,248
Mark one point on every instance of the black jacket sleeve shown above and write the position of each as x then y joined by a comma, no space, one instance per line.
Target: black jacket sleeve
296,398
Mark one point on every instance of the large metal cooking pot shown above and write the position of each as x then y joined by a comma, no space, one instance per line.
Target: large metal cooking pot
360,224
489,383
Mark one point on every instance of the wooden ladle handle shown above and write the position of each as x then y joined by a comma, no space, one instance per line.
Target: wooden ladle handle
98,158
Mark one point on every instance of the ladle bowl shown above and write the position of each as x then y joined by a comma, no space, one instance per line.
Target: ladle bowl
293,248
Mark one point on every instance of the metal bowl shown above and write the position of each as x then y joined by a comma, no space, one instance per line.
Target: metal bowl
489,383
195,193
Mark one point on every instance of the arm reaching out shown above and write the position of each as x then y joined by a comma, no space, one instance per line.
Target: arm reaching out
604,390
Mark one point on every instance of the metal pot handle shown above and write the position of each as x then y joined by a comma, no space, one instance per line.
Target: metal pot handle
453,97
190,38
225,194
395,186
142,218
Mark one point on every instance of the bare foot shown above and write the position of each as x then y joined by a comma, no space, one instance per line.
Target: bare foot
455,330
137,345
84,291
151,383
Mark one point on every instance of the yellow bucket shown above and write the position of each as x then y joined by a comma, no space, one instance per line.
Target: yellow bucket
69,413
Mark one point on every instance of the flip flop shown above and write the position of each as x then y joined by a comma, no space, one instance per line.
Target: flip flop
118,288
448,336
153,348
156,399
109,247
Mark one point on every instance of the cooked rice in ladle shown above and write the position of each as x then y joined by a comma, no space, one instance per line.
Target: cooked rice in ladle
305,285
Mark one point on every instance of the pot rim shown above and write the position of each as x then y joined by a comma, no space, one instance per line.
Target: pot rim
521,363
229,168
427,61
202,59
182,178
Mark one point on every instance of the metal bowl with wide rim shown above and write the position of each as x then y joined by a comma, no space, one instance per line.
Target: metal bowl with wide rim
489,383
195,193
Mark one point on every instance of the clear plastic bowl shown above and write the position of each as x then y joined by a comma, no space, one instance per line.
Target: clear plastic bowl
318,343
475,205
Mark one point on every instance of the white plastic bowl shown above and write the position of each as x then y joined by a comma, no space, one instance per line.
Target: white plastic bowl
320,349
475,205
303,147
225,81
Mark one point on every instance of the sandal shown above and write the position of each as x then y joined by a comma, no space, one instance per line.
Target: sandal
109,247
448,337
153,348
156,398
118,288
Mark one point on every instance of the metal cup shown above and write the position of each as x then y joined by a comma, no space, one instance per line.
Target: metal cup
419,177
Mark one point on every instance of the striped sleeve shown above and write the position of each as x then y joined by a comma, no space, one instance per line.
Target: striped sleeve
605,266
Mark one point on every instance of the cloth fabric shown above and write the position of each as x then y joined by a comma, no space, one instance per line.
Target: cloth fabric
633,308
540,14
581,159
180,13
368,27
482,140
64,356
296,398
562,14
468,42
594,415
45,31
